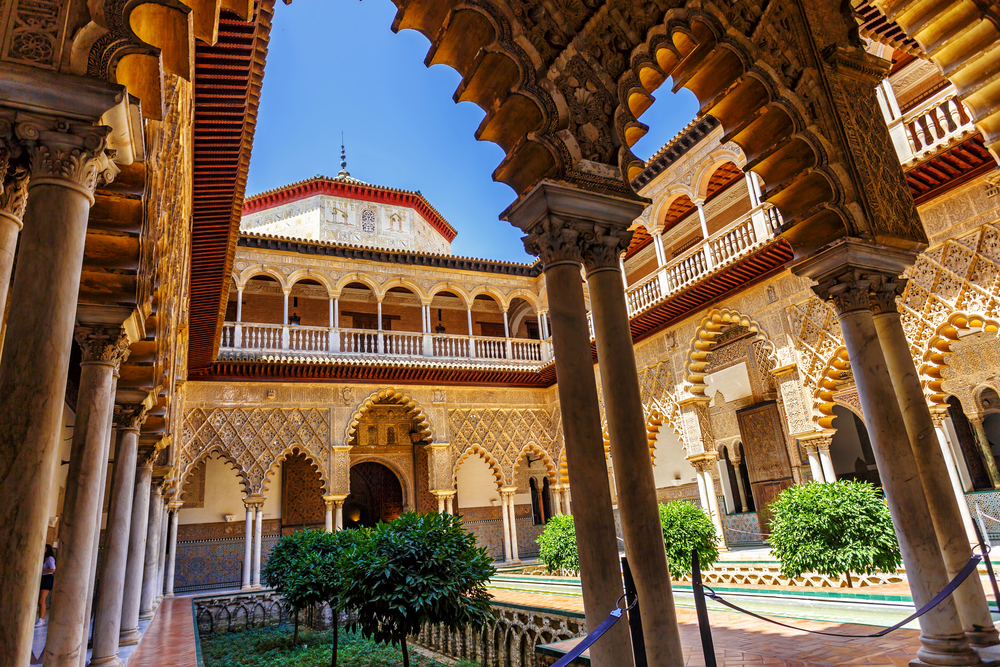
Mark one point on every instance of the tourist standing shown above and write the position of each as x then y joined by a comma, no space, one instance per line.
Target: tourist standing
48,577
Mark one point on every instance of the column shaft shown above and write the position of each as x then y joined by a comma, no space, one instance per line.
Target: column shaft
258,529
248,549
506,528
932,468
942,638
151,563
514,554
80,527
640,518
33,374
713,502
827,463
986,450
162,555
172,554
739,482
815,467
138,529
329,518
597,542
339,522
107,624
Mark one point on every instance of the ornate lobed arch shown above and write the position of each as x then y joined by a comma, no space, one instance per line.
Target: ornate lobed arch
309,456
935,358
700,349
472,452
397,397
550,466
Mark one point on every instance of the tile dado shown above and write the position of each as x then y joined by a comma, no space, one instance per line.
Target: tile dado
214,564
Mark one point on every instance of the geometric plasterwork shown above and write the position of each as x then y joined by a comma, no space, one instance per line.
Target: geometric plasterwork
409,411
255,440
973,361
504,433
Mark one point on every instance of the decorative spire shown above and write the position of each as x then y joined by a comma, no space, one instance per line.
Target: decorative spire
343,159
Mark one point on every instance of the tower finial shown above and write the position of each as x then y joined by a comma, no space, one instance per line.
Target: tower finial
343,159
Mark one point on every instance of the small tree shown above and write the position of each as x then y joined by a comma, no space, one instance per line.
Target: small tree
288,571
687,527
328,561
557,544
833,528
419,568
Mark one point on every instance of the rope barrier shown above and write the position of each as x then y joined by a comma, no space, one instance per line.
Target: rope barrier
962,575
589,640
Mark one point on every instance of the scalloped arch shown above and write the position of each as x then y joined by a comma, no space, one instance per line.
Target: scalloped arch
399,398
699,350
292,450
224,455
477,450
938,349
550,466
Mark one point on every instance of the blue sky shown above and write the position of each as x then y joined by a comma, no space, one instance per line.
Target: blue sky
336,65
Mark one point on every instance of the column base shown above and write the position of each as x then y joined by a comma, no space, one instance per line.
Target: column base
247,587
983,638
256,587
953,651
168,595
990,655
113,661
147,615
129,637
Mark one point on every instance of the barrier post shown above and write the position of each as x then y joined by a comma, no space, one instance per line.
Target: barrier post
634,616
707,645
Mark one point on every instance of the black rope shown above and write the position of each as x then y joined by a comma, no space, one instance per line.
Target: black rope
595,635
963,574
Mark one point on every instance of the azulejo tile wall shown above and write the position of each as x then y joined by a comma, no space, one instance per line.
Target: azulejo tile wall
742,529
214,564
489,534
989,506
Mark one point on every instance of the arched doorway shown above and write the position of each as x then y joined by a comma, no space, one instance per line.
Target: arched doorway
851,450
376,495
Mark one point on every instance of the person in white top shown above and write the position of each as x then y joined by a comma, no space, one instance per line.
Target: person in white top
48,577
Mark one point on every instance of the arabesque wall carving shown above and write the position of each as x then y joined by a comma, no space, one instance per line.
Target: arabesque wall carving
504,432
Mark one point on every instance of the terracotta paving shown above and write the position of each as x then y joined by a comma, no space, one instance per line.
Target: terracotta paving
741,640
169,642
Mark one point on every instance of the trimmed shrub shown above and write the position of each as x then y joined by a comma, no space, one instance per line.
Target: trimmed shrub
687,527
557,544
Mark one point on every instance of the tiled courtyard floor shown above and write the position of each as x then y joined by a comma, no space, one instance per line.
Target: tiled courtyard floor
169,642
741,640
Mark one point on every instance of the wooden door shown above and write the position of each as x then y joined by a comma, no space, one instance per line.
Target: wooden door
766,456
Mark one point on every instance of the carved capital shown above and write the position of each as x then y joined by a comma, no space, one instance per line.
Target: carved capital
884,292
66,152
14,187
849,291
103,345
603,246
130,417
703,462
555,241
938,414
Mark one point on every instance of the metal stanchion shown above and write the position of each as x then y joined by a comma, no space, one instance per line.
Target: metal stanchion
634,616
707,645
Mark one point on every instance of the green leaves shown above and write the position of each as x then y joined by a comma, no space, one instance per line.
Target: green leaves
557,544
833,528
687,527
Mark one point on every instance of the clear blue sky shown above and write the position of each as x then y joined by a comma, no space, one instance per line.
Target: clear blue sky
335,65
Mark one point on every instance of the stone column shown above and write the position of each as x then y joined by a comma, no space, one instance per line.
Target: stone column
339,520
699,478
823,450
506,528
633,470
67,158
735,459
703,464
103,349
508,495
161,571
111,589
175,508
985,449
13,198
939,414
248,548
138,529
815,467
440,499
258,529
943,641
555,492
930,461
328,524
151,564
545,214
449,501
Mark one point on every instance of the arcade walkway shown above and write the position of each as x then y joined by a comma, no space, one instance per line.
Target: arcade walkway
170,638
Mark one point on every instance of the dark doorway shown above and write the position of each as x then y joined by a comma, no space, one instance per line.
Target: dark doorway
970,448
376,495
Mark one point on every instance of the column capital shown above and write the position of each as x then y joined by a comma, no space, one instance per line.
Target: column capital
849,291
508,491
103,345
938,414
704,461
254,502
14,179
817,442
335,500
66,152
130,417
885,289
175,505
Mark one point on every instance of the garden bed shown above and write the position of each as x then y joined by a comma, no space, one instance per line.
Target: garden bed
272,647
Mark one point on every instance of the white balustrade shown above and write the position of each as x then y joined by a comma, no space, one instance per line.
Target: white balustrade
359,341
526,350
450,347
308,339
403,344
937,122
644,293
260,337
491,348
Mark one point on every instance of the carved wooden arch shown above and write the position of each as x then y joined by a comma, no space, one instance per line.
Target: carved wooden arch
550,466
399,398
291,450
481,452
699,351
938,349
734,81
400,281
310,274
249,273
227,457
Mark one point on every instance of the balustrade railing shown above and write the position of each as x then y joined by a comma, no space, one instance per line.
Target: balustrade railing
404,344
450,347
936,123
491,348
358,341
308,339
526,350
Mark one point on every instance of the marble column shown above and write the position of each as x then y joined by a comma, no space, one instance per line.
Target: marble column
135,565
735,460
633,470
930,461
103,350
823,451
984,448
815,467
175,508
440,499
703,464
939,414
506,528
555,492
258,529
161,571
67,159
450,503
248,548
339,521
699,478
508,494
14,174
151,563
328,524
111,588
550,216
942,638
